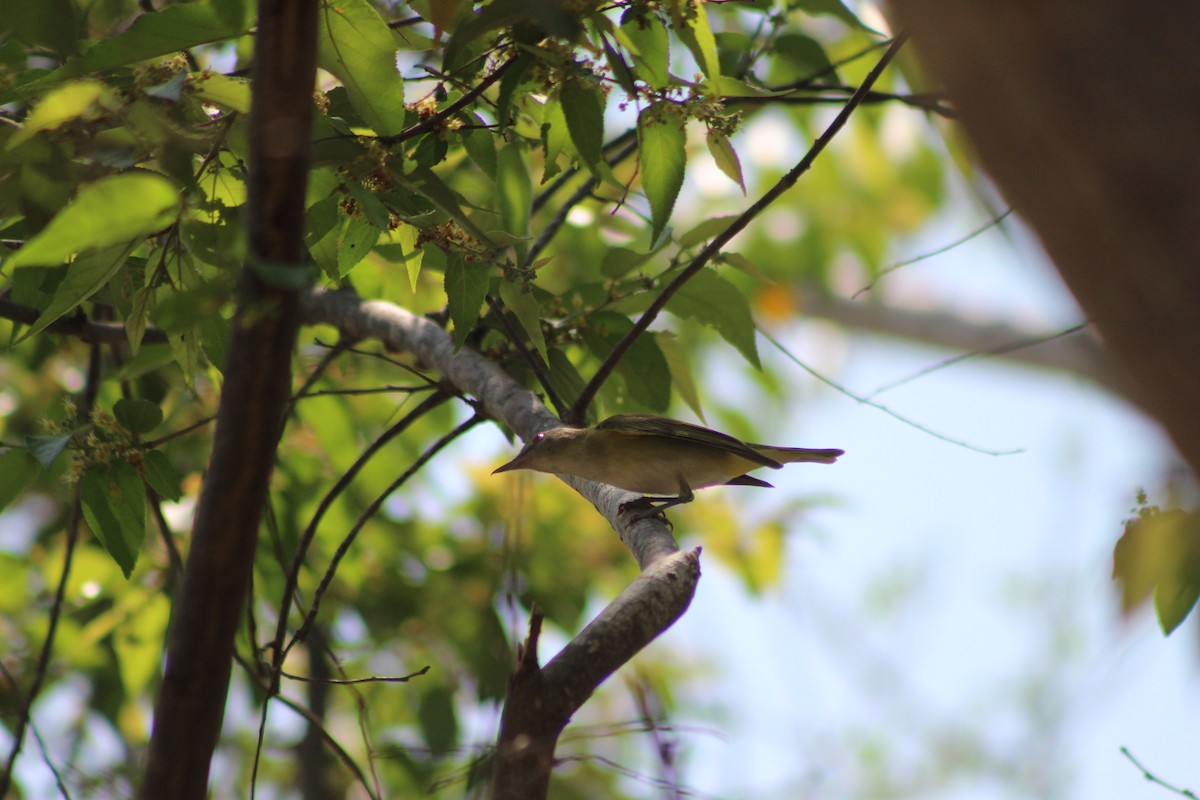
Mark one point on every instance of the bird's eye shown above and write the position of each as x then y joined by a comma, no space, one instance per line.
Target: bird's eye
539,437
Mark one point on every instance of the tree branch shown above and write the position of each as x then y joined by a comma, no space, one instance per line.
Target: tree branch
1079,353
78,326
208,605
540,701
1099,156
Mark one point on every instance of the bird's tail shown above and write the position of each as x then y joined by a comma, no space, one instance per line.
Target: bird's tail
788,455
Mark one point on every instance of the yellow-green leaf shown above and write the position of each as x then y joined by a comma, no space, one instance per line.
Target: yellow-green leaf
109,211
357,47
726,157
663,157
59,107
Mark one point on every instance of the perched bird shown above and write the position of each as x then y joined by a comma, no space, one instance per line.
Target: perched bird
656,456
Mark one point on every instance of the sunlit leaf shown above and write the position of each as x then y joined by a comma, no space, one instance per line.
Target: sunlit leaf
691,25
357,47
59,107
661,146
652,57
355,240
138,640
111,210
229,93
726,157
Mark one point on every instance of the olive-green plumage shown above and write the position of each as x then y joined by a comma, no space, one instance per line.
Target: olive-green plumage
656,456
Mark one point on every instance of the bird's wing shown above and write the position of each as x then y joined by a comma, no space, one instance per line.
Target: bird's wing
649,425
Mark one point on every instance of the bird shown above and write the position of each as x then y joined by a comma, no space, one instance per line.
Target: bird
661,458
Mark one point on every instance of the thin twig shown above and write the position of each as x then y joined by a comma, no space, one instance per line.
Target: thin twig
879,407
944,248
1150,776
999,350
579,409
432,122
351,681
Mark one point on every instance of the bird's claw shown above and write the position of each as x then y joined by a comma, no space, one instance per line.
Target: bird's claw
645,508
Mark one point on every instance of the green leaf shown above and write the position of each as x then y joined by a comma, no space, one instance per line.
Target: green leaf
691,25
726,157
514,190
426,183
705,230
229,93
480,146
525,306
169,30
85,276
618,261
466,287
137,642
111,210
554,137
663,157
439,723
681,371
139,313
806,55
58,108
160,473
832,8
644,368
713,301
114,506
137,415
564,376
17,470
583,108
354,242
47,448
356,46
620,69
652,58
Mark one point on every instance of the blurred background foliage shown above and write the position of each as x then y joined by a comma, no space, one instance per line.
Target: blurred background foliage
555,190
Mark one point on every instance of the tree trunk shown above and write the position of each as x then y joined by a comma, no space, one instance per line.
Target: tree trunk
1086,116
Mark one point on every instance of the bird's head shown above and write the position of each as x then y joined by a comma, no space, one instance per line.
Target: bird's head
546,451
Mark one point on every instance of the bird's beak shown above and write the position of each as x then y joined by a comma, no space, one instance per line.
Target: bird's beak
511,465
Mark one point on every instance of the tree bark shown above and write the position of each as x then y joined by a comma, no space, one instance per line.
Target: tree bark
1085,115
212,594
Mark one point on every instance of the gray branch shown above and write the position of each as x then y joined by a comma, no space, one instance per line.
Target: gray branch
540,701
